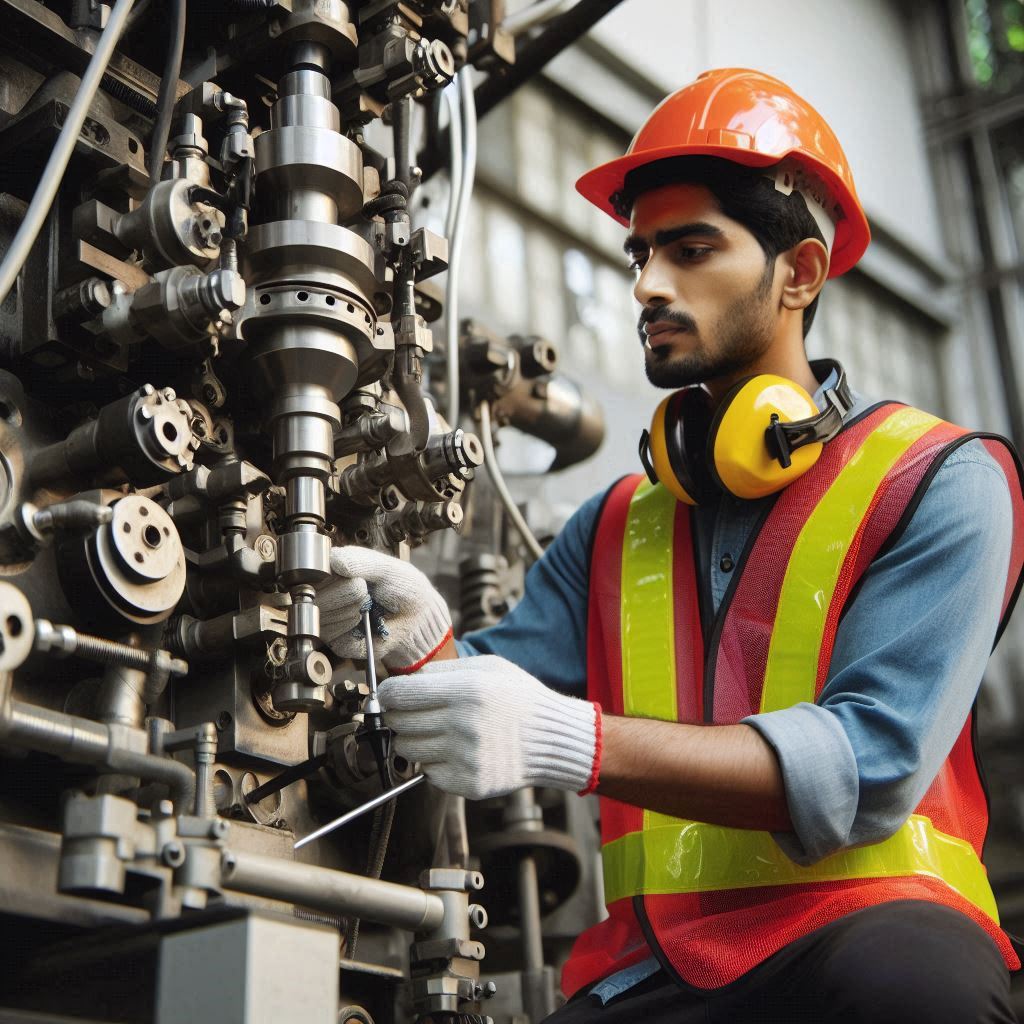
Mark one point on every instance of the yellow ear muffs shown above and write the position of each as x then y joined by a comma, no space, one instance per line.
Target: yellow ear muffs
667,451
739,456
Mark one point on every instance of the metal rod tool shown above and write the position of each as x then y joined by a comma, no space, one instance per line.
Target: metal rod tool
373,728
381,798
299,771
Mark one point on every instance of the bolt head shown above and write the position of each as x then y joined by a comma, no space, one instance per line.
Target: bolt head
173,855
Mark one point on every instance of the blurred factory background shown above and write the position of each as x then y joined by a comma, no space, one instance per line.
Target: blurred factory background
926,98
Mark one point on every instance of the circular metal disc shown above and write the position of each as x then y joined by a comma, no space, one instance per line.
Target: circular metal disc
144,537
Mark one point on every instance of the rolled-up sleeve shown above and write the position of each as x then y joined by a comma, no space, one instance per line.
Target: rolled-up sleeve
909,656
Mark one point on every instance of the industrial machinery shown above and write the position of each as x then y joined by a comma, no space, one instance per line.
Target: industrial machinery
216,362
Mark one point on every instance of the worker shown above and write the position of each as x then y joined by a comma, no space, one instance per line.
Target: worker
779,629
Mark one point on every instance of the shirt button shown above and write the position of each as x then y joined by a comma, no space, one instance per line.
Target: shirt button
726,563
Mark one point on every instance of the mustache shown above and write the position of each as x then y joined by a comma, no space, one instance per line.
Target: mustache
661,314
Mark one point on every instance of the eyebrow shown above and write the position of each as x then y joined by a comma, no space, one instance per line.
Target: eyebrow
637,243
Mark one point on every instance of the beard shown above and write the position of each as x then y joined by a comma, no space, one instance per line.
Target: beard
737,339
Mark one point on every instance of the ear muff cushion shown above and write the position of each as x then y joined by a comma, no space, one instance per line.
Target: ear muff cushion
737,453
667,449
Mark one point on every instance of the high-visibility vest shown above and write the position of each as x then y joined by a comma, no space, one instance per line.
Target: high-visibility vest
713,902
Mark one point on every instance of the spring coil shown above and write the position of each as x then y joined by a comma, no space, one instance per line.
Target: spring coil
482,601
128,96
319,917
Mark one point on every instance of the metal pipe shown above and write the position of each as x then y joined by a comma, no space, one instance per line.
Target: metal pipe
178,777
401,125
53,173
51,732
491,461
370,899
529,915
86,742
120,698
468,127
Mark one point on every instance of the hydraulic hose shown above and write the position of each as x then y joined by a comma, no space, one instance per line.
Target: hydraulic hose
465,194
451,98
53,173
487,438
168,89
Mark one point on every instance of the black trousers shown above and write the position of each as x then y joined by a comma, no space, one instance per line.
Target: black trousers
897,963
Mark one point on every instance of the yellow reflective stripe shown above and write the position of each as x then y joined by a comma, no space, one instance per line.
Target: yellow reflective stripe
691,856
648,629
818,556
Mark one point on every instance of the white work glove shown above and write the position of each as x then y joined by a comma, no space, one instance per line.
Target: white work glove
482,727
413,613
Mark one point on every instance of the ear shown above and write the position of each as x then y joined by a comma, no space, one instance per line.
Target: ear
805,268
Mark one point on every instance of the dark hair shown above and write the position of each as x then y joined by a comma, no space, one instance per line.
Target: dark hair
744,194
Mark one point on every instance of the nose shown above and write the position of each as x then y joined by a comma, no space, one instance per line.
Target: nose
654,284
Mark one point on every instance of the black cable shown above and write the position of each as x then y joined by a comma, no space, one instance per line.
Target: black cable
532,54
380,836
168,92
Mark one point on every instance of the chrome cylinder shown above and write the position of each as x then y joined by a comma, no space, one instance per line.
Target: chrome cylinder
309,323
334,891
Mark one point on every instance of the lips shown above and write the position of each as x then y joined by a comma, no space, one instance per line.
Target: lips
660,335
656,329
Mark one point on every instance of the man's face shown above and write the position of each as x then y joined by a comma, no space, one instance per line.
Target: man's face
708,305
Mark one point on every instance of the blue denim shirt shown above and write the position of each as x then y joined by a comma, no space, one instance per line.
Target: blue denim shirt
908,658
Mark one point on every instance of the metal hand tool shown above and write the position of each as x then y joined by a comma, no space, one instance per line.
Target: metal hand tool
373,729
301,770
356,812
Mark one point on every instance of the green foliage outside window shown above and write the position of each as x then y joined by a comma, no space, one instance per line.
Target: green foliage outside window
995,42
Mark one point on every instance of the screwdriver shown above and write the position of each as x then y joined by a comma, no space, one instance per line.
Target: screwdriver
377,734
373,728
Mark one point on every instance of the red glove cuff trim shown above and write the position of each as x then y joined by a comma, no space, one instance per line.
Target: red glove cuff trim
427,657
595,772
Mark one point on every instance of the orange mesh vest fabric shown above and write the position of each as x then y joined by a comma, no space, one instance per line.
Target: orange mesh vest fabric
710,938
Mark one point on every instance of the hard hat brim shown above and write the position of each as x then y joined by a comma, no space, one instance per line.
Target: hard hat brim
852,232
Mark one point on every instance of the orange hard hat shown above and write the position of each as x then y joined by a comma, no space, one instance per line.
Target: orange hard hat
749,118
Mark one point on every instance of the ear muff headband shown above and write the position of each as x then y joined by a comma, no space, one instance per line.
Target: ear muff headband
784,438
666,450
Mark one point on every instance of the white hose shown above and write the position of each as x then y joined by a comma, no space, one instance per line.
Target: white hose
487,438
53,173
536,14
458,232
451,97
